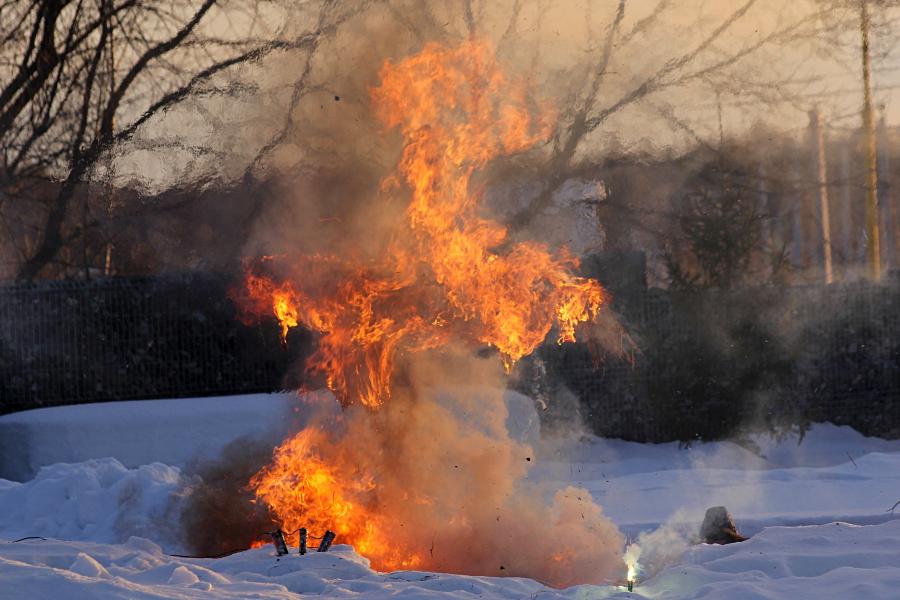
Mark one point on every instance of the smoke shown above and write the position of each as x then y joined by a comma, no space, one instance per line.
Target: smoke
446,484
504,523
450,481
218,514
664,546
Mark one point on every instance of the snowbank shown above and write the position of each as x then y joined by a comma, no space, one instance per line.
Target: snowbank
137,433
826,561
834,474
98,501
175,432
138,570
100,504
835,560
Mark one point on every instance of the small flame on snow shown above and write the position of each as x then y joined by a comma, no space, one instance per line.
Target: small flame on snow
632,554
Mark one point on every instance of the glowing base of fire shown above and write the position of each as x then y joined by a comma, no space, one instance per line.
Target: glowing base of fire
434,482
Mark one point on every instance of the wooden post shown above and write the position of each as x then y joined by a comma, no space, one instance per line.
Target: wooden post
278,542
818,125
886,203
798,246
846,211
762,204
873,245
326,541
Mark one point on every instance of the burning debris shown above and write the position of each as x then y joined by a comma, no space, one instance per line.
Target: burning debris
403,475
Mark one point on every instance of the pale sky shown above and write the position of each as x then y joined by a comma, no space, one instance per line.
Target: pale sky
558,44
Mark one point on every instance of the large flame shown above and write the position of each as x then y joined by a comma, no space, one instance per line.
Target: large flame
442,276
448,274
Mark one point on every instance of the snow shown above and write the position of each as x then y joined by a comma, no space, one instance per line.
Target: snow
836,560
137,570
99,500
173,432
817,512
834,474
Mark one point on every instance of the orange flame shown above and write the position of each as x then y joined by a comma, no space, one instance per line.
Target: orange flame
447,274
305,491
283,298
442,276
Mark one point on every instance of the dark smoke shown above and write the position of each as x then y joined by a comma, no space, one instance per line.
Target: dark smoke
219,514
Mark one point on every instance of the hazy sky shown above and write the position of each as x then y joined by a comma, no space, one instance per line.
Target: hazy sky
816,61
795,55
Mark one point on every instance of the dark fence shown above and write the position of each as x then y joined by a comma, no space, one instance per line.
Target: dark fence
711,364
706,364
70,342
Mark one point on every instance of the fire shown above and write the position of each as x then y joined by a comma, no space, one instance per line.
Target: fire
448,274
632,554
443,276
283,301
306,491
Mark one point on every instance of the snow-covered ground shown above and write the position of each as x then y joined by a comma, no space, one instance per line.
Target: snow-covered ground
138,432
817,512
835,561
834,474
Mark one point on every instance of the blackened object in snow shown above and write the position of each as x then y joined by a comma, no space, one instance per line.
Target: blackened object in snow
278,541
303,540
326,542
719,528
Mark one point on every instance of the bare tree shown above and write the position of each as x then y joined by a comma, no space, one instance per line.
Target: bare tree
81,76
703,61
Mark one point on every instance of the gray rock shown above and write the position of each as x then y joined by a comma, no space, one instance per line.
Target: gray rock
719,528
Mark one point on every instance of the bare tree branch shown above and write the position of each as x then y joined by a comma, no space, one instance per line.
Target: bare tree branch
85,159
138,67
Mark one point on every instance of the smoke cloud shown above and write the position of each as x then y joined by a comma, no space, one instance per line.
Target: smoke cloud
451,480
445,484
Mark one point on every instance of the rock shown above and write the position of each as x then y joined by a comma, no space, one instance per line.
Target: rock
719,528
